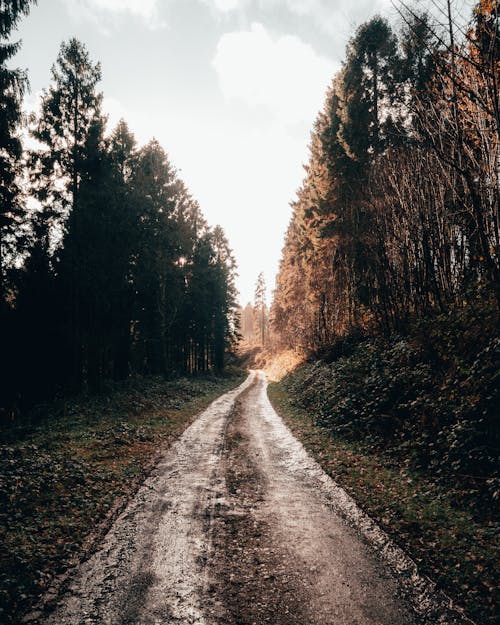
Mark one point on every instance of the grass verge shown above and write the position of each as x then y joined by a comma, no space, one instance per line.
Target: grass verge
450,545
66,474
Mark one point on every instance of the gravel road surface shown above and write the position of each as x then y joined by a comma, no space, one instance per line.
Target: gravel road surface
237,525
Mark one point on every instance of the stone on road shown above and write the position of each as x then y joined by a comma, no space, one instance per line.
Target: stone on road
236,525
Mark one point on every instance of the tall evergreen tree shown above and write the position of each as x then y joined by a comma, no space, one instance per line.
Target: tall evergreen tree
156,273
368,89
368,126
418,62
70,114
247,323
260,309
224,303
13,85
122,247
68,176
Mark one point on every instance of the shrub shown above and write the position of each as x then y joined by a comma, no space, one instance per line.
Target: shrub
431,405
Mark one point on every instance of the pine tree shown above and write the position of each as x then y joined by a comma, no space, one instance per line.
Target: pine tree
418,63
247,323
68,175
368,89
224,302
70,113
13,85
156,274
122,246
260,309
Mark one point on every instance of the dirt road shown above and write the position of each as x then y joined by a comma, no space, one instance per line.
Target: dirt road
237,525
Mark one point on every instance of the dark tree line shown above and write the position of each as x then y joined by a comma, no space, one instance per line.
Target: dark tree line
113,269
398,215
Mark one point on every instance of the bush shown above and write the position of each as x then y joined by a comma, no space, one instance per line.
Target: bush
431,404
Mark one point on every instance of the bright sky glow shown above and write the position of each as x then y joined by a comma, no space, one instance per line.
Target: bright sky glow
226,5
145,8
229,87
281,76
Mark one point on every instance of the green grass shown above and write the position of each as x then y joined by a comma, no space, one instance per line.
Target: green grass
450,545
68,470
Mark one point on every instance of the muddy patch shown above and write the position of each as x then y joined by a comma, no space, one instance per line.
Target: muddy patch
250,581
136,597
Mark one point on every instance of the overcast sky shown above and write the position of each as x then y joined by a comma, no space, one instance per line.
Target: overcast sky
229,87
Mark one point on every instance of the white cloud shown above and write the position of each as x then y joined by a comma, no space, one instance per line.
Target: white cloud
143,8
301,7
226,5
94,10
335,17
283,76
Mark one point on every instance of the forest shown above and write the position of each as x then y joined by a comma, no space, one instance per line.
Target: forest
119,321
108,266
397,218
389,284
393,246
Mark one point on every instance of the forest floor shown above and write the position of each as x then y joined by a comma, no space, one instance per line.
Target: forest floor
238,525
451,545
68,470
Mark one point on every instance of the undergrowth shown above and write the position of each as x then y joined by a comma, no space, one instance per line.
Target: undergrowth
409,425
429,399
450,545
